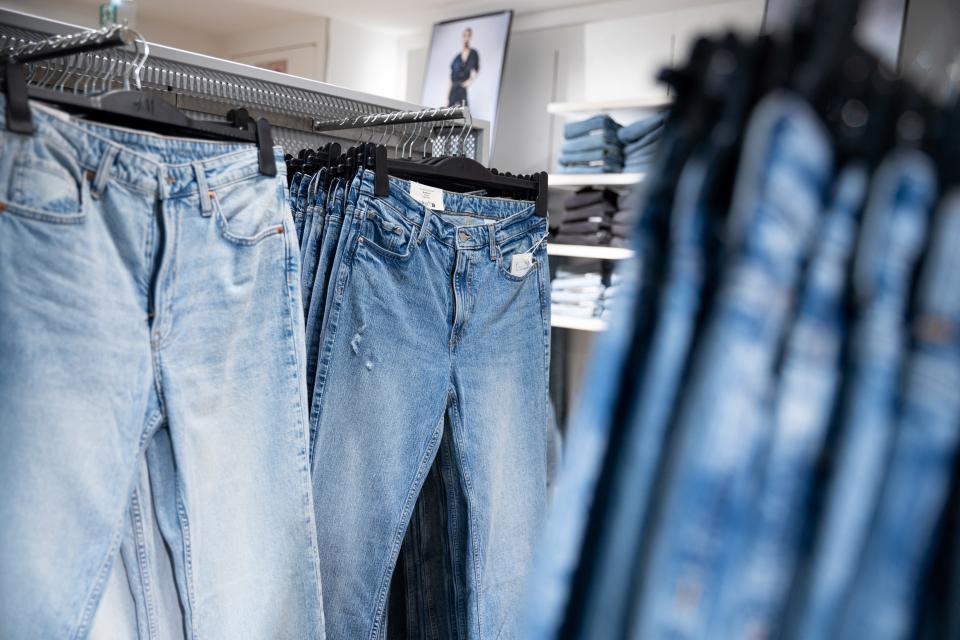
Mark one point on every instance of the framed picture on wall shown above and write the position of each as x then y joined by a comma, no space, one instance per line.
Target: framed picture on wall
465,64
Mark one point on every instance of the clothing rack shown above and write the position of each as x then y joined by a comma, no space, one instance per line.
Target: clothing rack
204,87
444,140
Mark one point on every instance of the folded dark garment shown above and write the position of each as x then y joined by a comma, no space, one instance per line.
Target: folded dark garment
624,230
601,209
640,128
585,127
609,152
600,238
590,142
588,196
622,243
585,226
624,216
589,168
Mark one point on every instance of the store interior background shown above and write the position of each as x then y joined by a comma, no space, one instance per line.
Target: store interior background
559,50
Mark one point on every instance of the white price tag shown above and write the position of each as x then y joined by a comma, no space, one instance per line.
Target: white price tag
520,263
430,197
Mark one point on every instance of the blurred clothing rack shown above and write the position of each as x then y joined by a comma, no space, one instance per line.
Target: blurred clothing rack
207,87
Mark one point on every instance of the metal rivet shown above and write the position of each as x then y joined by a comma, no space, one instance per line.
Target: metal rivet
3,207
211,194
279,229
90,175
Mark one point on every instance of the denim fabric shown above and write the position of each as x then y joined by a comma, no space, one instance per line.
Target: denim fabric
589,196
294,189
659,386
917,478
809,380
310,241
593,124
405,279
307,215
576,311
611,153
641,128
774,213
129,264
890,242
330,234
646,145
590,168
607,139
551,585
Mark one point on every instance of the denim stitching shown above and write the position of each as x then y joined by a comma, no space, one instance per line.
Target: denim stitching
136,515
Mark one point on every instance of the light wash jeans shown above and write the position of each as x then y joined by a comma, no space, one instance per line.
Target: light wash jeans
433,341
151,284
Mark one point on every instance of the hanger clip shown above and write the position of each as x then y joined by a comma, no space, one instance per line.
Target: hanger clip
18,105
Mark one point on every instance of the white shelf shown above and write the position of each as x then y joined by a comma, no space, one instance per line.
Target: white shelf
596,106
594,179
581,324
585,251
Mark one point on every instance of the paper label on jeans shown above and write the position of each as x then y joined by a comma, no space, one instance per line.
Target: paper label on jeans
520,263
430,197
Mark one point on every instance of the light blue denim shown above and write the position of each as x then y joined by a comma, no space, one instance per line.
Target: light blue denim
592,124
809,382
890,242
129,265
551,585
720,426
880,603
659,384
644,145
609,152
605,167
641,128
591,142
310,242
294,188
433,293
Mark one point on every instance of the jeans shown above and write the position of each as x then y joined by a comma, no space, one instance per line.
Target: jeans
413,287
642,128
129,264
783,173
310,240
891,238
917,479
607,139
608,153
598,123
809,380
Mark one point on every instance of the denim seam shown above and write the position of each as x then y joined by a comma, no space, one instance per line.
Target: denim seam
472,525
249,241
30,213
136,186
413,492
144,565
291,260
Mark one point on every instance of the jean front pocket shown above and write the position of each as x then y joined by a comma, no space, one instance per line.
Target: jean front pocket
386,232
250,211
518,257
46,188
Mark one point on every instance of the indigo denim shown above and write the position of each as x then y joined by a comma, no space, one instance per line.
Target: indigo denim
890,242
129,265
775,210
642,128
609,152
809,381
591,142
880,603
598,123
310,240
433,292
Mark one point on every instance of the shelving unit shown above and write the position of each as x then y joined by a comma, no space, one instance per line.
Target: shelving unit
595,179
580,324
600,106
585,251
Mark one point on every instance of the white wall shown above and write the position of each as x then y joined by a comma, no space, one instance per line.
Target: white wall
303,44
366,59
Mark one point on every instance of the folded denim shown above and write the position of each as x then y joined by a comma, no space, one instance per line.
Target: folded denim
646,145
576,281
599,210
582,169
641,128
620,243
611,292
636,167
622,230
600,238
566,310
587,143
588,196
608,152
624,216
586,127
573,297
585,226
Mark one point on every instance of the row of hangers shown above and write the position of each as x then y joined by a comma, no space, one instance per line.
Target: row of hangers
451,173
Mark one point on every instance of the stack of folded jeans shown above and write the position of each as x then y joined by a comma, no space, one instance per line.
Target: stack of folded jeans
591,146
587,217
623,219
577,292
640,142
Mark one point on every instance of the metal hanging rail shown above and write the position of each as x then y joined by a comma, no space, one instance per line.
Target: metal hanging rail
207,87
394,118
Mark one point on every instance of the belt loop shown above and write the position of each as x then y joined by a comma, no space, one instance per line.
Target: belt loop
104,170
427,215
206,205
491,234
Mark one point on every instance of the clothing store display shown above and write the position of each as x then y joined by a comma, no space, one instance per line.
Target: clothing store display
641,129
598,239
590,225
591,146
603,209
588,196
608,153
593,125
605,140
164,254
767,442
639,141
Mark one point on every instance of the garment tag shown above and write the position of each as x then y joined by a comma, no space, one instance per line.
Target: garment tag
430,197
520,263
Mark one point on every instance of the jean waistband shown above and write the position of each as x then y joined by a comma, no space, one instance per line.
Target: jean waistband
504,218
154,164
